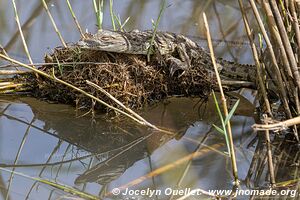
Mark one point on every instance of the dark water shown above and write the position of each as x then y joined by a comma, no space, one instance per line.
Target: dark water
95,155
54,133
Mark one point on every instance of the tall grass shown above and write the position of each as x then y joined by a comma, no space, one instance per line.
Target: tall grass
224,122
155,26
112,15
98,8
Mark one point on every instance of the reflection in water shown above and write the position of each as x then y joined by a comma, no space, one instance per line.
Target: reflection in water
86,152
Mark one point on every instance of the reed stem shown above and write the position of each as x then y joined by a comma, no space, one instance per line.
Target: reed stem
54,24
75,18
223,99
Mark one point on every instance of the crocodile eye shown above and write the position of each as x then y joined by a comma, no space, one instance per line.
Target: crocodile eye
105,38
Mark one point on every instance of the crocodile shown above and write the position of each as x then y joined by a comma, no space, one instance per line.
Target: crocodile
177,50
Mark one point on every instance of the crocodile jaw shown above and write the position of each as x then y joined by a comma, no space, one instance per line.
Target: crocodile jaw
105,40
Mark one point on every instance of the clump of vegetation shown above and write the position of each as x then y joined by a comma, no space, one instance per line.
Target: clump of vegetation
129,78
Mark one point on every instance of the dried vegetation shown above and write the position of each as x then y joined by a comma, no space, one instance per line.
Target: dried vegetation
129,78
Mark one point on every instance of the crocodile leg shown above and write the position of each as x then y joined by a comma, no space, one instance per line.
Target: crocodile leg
175,65
182,63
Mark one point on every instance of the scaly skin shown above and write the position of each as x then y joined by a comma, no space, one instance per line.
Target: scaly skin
187,52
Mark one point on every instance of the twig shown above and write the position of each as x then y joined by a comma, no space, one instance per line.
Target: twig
256,59
21,33
2,50
75,19
278,126
295,22
120,104
53,24
55,63
232,151
11,86
6,83
12,72
13,91
269,154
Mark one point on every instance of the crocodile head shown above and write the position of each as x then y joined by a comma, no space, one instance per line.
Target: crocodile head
104,40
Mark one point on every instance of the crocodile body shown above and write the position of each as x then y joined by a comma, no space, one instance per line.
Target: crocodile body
180,52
